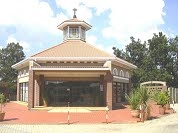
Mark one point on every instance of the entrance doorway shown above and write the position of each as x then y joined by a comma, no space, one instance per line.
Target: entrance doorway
77,93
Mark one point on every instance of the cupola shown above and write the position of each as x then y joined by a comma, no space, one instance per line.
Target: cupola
74,29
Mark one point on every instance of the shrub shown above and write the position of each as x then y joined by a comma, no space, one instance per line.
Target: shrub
134,100
144,95
137,97
161,98
2,100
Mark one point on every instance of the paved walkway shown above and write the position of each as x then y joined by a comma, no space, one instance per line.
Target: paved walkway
19,114
167,124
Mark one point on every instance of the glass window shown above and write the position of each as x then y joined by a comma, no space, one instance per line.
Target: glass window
78,93
23,91
119,91
127,75
73,33
115,72
24,72
82,34
65,34
121,73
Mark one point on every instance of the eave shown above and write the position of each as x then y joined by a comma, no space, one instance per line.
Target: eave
22,63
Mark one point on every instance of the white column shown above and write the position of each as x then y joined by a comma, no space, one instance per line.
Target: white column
80,32
67,32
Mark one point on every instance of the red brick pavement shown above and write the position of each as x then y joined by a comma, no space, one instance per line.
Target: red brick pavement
19,114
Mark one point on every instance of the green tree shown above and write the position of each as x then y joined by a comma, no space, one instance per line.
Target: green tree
10,55
156,59
160,54
172,66
120,53
136,51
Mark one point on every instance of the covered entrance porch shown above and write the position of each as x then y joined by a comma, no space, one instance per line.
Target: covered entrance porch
91,88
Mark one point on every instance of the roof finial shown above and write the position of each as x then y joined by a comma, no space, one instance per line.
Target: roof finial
74,13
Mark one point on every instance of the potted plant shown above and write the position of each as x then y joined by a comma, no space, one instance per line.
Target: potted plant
161,99
167,106
144,101
147,114
134,101
2,101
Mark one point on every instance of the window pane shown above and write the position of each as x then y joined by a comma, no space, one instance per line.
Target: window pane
73,33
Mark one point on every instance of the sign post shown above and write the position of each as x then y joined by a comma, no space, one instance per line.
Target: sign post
141,113
68,115
107,109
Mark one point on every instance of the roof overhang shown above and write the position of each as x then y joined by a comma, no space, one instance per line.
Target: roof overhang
71,69
70,58
22,63
125,63
113,59
82,23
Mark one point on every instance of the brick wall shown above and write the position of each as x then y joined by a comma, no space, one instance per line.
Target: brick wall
108,83
31,90
18,90
37,90
41,89
102,93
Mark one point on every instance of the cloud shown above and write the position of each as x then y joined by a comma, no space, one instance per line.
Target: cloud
138,18
25,45
34,22
84,12
28,21
107,48
11,39
27,12
91,39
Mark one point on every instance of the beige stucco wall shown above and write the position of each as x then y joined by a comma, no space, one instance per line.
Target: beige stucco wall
108,64
24,79
23,74
120,79
119,69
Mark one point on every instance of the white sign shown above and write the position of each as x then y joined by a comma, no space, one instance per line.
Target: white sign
101,87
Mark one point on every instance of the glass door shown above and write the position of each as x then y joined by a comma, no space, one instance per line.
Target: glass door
86,93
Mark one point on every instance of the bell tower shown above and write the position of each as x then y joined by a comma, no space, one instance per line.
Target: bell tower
74,29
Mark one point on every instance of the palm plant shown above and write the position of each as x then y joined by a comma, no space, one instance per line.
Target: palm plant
133,99
144,95
137,97
2,100
144,99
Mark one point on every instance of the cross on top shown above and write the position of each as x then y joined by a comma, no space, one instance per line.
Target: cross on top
74,13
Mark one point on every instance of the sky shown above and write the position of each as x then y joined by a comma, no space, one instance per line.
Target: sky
33,23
